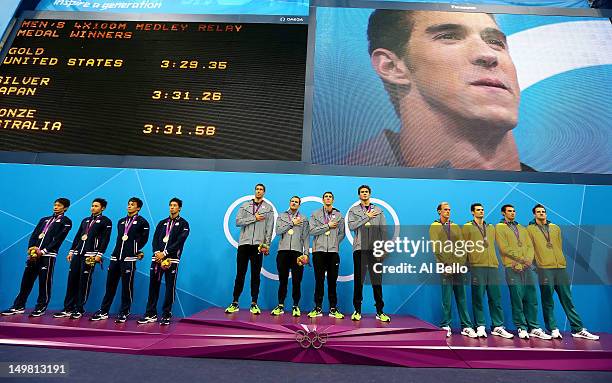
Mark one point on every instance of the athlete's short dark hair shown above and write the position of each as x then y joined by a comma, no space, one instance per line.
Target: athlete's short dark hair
64,201
136,200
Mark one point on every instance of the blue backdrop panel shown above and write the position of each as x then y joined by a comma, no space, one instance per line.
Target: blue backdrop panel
6,13
207,269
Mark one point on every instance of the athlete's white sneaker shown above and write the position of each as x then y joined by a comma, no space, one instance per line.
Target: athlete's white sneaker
469,332
585,335
501,331
539,333
481,332
448,330
556,334
523,334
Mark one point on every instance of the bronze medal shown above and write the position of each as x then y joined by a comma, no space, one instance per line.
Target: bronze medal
549,245
124,238
520,244
166,239
84,237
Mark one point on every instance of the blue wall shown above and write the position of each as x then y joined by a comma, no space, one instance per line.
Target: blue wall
208,267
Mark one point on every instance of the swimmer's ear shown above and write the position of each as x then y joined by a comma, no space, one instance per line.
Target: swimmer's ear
389,67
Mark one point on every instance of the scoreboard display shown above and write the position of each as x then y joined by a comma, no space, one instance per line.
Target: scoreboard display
151,88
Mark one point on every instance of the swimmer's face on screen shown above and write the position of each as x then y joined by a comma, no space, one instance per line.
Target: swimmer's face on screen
455,64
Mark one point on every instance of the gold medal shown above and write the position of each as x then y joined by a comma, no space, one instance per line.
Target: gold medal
327,232
367,223
124,238
41,235
549,245
290,232
166,239
520,244
84,237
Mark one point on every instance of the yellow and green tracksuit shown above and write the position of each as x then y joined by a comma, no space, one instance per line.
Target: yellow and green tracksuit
484,268
517,257
552,275
451,283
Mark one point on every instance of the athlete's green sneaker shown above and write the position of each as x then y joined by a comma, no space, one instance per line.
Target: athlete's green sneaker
255,309
296,311
383,317
232,308
356,315
278,310
316,312
333,312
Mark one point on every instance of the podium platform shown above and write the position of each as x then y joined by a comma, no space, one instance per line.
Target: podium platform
405,341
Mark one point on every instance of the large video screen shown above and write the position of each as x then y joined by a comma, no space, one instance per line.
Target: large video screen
429,89
151,88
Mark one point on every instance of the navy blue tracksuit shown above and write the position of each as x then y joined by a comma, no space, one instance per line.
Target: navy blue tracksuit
42,268
123,262
97,230
172,250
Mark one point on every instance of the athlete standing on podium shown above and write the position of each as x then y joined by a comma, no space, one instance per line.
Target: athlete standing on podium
293,228
168,241
88,246
369,225
132,236
43,246
256,221
327,228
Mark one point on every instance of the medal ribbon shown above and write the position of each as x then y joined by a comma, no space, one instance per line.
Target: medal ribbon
327,217
50,222
258,207
545,231
512,226
447,229
91,222
128,224
367,209
483,232
169,226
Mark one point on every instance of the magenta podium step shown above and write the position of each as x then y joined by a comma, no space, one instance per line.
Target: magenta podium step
405,341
